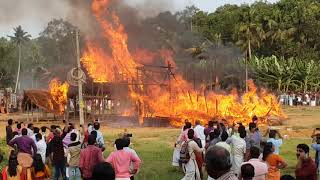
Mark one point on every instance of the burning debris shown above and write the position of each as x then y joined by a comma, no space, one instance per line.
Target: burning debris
177,99
59,92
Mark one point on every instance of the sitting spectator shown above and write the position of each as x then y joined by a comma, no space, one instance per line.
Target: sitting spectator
260,168
121,160
24,143
13,171
247,172
89,158
39,170
274,161
306,168
103,171
73,157
277,142
9,131
218,163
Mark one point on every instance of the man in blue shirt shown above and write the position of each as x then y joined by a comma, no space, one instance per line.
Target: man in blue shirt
277,142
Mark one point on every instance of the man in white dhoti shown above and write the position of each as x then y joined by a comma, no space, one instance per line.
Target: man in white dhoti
191,169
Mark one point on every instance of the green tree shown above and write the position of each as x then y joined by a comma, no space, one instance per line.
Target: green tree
19,38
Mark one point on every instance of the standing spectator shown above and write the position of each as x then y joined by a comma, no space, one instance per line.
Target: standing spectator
43,133
316,147
30,129
13,171
36,130
18,128
127,148
214,137
103,171
56,152
254,135
24,143
191,169
51,135
99,140
73,157
306,168
223,143
199,131
274,161
277,142
89,158
9,131
247,172
41,147
218,164
39,170
208,130
121,160
260,168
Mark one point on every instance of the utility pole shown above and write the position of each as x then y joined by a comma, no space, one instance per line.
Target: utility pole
81,103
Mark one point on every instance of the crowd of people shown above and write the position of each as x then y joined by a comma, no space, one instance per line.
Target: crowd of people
236,152
40,153
299,99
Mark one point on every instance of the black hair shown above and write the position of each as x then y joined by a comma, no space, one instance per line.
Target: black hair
126,141
217,159
24,131
36,130
272,134
304,147
91,140
73,136
15,133
190,134
210,123
96,125
224,136
12,164
94,134
38,136
252,126
103,171
254,118
119,144
243,133
10,121
19,126
247,171
287,177
188,125
89,124
267,150
43,129
30,125
254,152
38,163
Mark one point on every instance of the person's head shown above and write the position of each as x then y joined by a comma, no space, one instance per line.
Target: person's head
119,144
15,133
30,126
197,122
126,141
272,134
96,125
91,140
190,134
188,125
242,132
38,163
10,122
217,161
73,137
215,124
247,171
254,152
38,137
267,150
94,134
302,151
24,131
252,127
43,129
53,127
18,126
224,136
12,164
255,119
89,124
56,132
36,130
71,127
287,177
103,171
210,124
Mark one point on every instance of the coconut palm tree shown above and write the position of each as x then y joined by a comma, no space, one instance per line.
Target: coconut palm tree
20,37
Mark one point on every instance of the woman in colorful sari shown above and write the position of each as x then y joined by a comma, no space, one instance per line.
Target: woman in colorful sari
274,162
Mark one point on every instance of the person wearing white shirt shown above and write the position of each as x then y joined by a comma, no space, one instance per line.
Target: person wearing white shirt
30,129
199,131
276,142
41,147
99,139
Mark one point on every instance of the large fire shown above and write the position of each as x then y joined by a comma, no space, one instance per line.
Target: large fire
59,92
178,100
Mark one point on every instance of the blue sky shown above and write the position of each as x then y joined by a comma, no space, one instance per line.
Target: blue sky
33,15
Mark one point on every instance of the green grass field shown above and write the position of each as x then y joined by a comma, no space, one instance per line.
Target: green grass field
155,145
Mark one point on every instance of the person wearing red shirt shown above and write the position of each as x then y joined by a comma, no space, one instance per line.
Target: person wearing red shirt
306,168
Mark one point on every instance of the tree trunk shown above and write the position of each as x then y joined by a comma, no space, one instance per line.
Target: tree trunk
247,59
19,66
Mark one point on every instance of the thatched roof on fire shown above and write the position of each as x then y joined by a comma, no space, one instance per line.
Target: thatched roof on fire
42,99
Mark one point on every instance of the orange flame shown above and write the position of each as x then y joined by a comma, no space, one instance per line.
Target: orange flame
59,93
177,100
